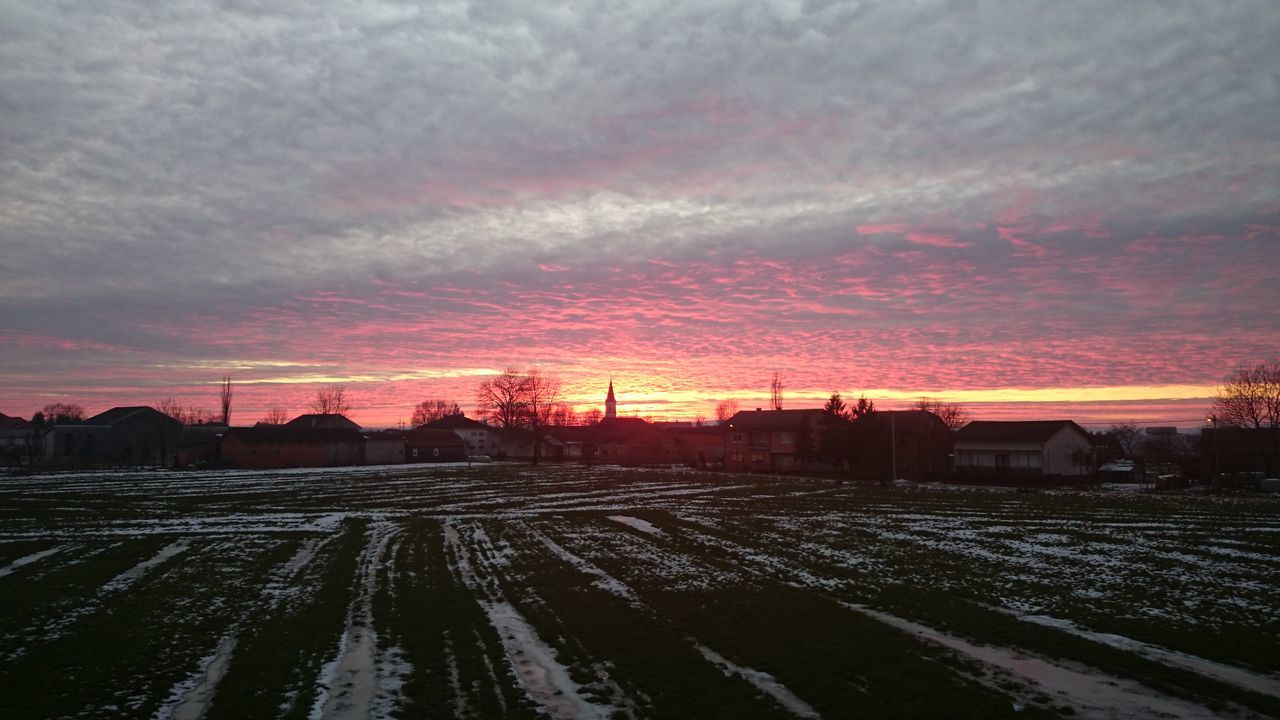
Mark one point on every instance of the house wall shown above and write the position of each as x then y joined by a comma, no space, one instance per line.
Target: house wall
281,455
384,452
1061,453
479,441
435,453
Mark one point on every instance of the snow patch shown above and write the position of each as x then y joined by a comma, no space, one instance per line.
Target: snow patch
763,681
130,576
27,560
643,526
1090,694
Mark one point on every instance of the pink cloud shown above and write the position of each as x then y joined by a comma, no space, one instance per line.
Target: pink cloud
935,239
883,229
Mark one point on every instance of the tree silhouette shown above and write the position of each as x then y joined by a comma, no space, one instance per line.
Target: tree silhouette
1250,399
432,410
331,400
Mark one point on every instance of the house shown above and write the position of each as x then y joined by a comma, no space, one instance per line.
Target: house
1030,449
384,448
428,446
19,440
774,440
632,441
279,446
201,444
701,445
516,443
888,445
331,421
122,436
479,438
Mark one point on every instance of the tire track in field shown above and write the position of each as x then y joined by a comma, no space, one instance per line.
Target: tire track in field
189,699
545,681
357,683
1090,692
58,628
29,559
762,681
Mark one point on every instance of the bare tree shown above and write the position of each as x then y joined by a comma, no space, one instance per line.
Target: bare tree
1128,436
275,416
225,400
541,391
185,414
331,400
563,415
1250,399
953,415
775,392
591,416
502,399
432,410
62,413
726,409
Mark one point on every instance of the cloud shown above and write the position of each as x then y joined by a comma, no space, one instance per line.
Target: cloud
912,193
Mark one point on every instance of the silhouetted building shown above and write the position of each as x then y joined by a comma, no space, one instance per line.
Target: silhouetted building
775,440
122,436
272,446
329,421
888,445
1039,448
479,438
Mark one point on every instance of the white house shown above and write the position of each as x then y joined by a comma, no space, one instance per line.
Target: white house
1033,448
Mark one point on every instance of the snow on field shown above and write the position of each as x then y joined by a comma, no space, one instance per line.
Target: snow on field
543,678
1185,565
27,560
643,526
133,574
764,682
358,679
1225,673
189,699
1089,693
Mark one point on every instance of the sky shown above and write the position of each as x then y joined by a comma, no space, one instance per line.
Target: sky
1035,209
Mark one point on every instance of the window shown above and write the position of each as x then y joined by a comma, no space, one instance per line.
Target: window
435,452
415,452
784,438
737,437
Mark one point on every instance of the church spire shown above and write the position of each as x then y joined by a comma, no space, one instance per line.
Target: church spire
610,404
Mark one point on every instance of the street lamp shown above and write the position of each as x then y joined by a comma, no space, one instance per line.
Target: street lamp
1217,439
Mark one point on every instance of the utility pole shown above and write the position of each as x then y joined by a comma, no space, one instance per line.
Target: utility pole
893,446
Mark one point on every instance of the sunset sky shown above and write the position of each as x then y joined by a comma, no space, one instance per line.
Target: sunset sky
1037,209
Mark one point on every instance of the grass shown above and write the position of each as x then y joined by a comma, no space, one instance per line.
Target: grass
759,570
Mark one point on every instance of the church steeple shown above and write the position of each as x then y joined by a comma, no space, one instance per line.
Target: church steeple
610,405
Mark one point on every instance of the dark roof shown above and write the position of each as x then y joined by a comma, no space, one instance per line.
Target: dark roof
901,420
1014,431
454,422
432,437
286,435
323,420
771,420
417,437
118,415
616,429
13,423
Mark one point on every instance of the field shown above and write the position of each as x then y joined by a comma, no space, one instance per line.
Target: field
570,592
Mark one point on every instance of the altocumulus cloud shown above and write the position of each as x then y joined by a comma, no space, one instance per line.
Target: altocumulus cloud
1032,180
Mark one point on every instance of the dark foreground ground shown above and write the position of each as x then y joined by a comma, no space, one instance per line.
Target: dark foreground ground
567,592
